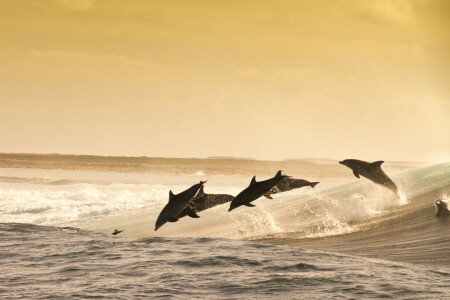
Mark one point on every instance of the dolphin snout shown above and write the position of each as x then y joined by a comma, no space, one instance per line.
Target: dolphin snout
341,162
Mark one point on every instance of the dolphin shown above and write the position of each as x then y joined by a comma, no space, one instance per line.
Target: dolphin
371,171
442,206
255,190
203,201
288,184
177,203
116,232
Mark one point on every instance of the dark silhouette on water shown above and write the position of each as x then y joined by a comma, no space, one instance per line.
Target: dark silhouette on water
255,190
443,207
203,201
116,232
288,184
177,203
371,171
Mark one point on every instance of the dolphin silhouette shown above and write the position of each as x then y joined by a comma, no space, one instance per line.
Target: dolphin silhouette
255,190
177,203
371,171
116,232
203,201
442,206
288,184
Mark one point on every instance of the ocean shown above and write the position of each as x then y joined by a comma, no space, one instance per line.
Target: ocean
347,238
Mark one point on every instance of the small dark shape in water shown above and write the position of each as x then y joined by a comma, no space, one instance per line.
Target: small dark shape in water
116,232
203,201
443,207
255,190
177,203
371,171
288,184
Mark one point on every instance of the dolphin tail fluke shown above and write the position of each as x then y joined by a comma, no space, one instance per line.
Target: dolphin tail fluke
249,204
313,184
268,196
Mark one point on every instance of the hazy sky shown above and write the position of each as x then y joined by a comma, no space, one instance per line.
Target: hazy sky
262,79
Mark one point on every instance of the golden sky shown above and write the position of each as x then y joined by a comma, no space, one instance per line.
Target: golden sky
263,79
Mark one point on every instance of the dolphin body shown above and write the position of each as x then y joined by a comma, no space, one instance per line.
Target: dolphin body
255,190
116,232
443,207
288,184
371,171
203,201
177,203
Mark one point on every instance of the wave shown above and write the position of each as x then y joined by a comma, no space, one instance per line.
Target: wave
333,219
36,180
312,213
321,218
89,264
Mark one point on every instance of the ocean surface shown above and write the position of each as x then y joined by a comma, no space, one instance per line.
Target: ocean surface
352,239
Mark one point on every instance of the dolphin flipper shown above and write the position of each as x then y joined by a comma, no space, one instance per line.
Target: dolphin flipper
356,173
268,196
248,204
192,214
173,220
191,211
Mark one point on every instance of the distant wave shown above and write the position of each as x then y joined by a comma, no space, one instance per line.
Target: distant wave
37,180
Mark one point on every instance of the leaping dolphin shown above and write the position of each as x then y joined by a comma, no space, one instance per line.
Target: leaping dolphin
203,201
371,171
288,184
177,203
442,206
255,190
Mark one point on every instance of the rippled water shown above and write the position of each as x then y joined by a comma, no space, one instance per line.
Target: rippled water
178,261
51,262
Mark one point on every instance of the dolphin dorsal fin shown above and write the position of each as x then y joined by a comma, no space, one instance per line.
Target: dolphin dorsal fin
377,163
278,174
253,181
171,195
